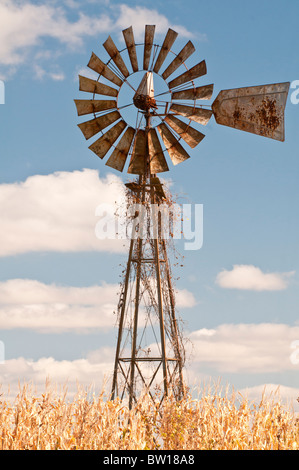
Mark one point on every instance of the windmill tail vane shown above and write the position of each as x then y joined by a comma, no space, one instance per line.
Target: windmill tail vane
166,111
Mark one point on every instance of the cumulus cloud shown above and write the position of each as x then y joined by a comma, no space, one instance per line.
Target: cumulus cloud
21,33
248,277
57,212
24,27
15,373
52,308
250,348
139,16
184,298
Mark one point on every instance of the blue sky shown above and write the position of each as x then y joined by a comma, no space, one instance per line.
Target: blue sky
239,293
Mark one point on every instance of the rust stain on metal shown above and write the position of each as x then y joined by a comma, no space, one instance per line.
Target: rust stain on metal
237,115
258,109
268,113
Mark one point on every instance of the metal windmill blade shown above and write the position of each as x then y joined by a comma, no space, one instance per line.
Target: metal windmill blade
148,44
130,43
166,46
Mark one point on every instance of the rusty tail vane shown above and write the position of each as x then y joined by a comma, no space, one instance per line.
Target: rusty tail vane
256,109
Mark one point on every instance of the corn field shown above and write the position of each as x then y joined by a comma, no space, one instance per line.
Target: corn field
213,421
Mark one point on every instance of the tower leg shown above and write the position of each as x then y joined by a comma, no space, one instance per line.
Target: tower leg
161,317
121,321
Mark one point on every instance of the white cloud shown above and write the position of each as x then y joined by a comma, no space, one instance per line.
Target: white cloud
41,73
184,298
248,277
86,72
21,32
56,212
52,308
139,16
250,348
15,373
20,29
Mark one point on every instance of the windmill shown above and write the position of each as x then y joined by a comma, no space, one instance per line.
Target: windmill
165,120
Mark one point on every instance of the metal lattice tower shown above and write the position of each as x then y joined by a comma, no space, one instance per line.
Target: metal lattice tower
149,349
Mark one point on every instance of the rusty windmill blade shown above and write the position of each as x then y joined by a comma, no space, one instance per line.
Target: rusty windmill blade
130,43
200,115
138,160
200,93
115,56
98,66
191,136
119,155
101,146
166,46
186,52
92,86
197,71
258,109
148,44
94,106
92,127
175,150
157,159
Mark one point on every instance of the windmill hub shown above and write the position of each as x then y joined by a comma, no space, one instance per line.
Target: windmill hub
144,102
144,96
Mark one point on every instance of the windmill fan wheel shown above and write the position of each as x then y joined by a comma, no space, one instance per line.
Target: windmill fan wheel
158,129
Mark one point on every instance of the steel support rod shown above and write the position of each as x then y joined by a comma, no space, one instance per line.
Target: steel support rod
121,320
136,310
161,316
174,328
